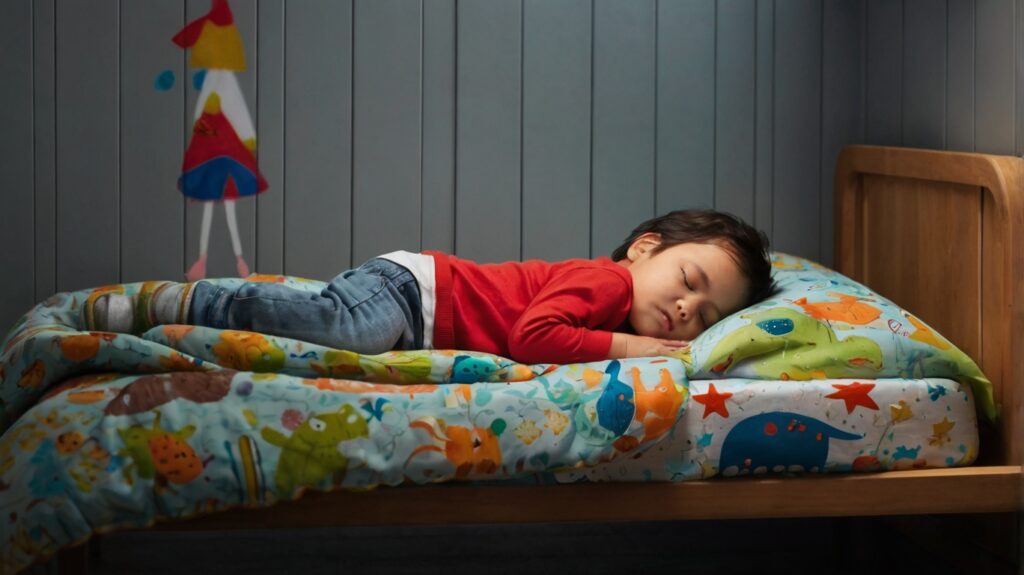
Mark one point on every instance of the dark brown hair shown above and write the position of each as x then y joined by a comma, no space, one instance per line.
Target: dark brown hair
747,245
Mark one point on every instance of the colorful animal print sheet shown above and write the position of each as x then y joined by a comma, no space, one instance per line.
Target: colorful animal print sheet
738,427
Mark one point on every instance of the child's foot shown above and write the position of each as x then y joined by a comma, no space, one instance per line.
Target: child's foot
198,269
242,267
157,303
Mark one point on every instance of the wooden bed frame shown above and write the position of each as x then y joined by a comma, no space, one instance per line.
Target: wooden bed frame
941,233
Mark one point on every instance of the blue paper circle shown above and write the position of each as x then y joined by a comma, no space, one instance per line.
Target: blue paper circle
197,79
164,81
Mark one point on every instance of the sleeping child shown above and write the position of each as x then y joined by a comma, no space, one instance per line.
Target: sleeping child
671,279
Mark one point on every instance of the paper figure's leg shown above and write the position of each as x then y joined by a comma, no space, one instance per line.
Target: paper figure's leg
198,269
236,243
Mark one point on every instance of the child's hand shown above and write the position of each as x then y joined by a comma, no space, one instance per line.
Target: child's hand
629,345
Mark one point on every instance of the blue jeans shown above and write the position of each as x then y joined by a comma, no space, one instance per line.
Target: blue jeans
371,309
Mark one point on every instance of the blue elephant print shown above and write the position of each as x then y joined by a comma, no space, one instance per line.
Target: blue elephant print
776,442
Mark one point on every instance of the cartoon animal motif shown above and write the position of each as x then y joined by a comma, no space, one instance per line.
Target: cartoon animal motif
658,408
161,455
849,309
615,407
70,441
792,345
150,391
248,351
776,442
474,451
469,369
311,452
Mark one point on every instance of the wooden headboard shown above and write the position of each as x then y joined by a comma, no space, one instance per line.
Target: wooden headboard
942,235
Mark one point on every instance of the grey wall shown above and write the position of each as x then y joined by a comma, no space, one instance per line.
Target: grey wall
497,129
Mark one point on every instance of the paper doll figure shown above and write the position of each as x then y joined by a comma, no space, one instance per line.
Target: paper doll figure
220,162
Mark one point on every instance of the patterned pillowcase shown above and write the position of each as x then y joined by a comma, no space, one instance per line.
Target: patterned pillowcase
821,324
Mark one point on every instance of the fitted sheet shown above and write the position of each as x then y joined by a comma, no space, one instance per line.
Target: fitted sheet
743,427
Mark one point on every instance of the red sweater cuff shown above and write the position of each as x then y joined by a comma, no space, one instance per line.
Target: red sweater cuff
595,346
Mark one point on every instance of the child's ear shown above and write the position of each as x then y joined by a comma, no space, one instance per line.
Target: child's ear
642,245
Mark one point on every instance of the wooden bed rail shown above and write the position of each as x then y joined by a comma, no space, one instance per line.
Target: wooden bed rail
860,494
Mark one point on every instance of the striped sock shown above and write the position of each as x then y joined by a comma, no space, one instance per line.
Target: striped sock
113,312
157,303
169,303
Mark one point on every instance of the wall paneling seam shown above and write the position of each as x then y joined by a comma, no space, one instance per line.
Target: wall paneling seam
522,58
590,167
352,137
771,140
654,196
821,123
455,129
423,43
714,110
56,152
120,151
753,195
255,257
35,173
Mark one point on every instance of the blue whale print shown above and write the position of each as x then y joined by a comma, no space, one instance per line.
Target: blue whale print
776,441
615,407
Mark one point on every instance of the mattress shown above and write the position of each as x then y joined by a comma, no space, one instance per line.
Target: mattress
743,427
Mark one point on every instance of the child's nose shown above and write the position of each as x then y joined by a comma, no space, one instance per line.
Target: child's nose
683,309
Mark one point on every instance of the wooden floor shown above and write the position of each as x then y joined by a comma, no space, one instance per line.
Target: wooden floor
931,544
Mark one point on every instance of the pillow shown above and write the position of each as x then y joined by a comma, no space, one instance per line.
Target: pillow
823,325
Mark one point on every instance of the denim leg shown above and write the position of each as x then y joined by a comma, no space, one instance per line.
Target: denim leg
371,309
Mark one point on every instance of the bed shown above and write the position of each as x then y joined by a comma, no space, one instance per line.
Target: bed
885,197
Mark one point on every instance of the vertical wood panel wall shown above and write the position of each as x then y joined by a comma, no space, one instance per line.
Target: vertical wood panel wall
498,129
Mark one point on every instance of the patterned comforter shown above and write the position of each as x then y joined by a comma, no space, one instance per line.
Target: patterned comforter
104,431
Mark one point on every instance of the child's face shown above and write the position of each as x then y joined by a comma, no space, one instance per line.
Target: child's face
682,290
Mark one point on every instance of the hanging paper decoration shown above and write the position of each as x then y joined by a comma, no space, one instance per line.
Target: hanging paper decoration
214,40
220,162
218,165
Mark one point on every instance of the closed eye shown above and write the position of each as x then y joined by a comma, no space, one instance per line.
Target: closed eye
686,280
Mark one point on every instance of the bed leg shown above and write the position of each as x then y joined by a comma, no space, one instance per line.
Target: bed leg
74,560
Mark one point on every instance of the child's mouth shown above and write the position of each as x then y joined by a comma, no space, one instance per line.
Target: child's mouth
668,321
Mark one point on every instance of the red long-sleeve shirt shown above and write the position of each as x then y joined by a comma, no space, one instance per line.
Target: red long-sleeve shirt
533,311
